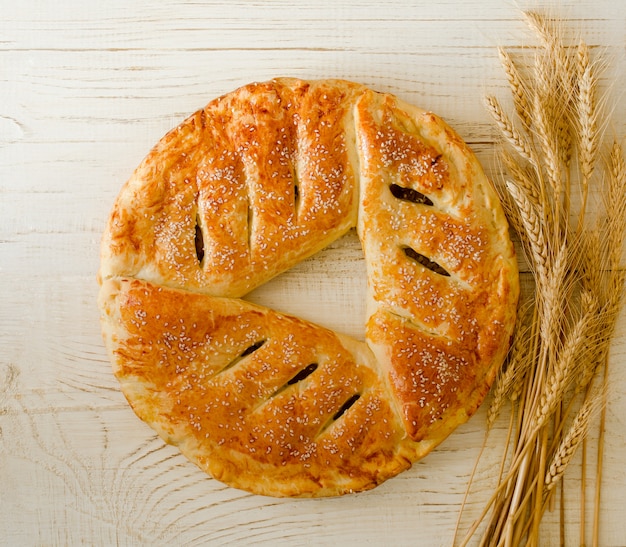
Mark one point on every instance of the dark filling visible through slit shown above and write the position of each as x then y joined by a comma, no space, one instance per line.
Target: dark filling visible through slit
424,261
252,348
408,194
296,192
250,219
199,240
303,374
345,406
248,351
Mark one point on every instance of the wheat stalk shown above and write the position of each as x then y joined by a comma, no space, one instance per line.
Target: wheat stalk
509,381
554,146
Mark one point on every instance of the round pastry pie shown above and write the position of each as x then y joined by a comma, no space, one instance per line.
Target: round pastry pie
242,190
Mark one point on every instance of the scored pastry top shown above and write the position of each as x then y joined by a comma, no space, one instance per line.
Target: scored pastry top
263,177
242,190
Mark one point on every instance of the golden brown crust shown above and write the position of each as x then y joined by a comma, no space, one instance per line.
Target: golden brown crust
243,414
441,328
265,172
242,190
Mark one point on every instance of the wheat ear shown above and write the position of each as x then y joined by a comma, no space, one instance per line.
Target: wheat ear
509,131
518,88
587,116
566,368
533,233
570,442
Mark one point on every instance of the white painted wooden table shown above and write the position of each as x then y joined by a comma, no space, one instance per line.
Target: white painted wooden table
86,88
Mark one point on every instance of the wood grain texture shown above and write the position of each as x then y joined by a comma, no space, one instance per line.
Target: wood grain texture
86,88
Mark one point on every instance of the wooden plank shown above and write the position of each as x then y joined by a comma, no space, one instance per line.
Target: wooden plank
87,89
